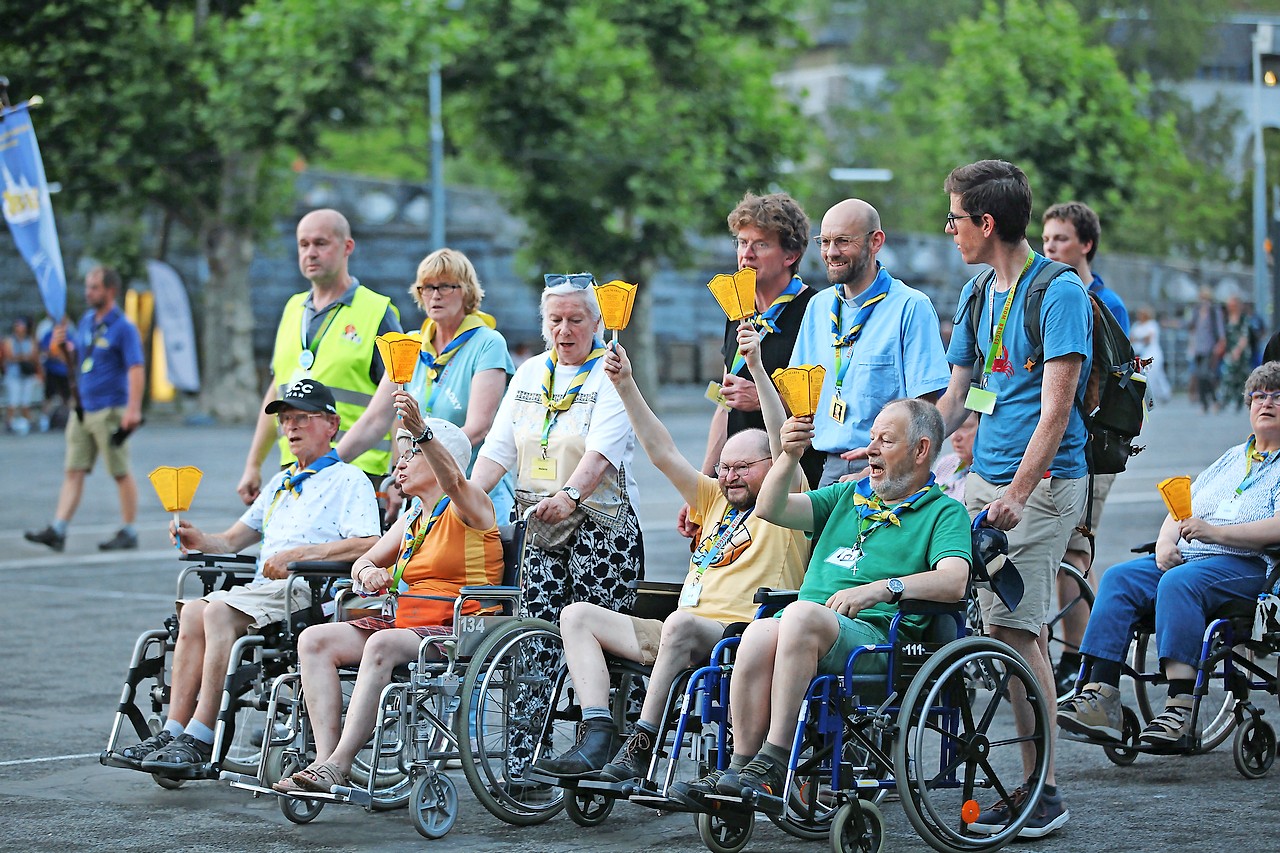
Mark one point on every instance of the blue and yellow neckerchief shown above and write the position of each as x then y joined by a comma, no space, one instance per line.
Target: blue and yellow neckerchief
767,321
434,362
875,295
874,513
555,407
295,477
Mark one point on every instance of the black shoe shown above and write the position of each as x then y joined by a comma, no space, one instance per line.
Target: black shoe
133,755
589,754
184,754
122,541
1066,676
55,540
632,761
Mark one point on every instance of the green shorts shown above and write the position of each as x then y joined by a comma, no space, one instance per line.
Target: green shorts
854,633
86,440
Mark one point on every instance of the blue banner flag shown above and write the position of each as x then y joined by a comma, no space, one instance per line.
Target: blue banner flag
27,208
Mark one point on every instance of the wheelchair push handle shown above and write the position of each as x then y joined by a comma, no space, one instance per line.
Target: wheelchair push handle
980,519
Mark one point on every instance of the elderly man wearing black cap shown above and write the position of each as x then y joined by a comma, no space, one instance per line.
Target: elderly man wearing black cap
319,508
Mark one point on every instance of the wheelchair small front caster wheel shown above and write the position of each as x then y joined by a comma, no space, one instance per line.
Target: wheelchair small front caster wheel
726,833
858,827
1121,753
1254,749
433,805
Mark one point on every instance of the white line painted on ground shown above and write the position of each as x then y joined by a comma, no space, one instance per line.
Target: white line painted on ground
97,593
48,758
83,561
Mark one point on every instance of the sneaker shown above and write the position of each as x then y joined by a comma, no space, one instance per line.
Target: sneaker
184,754
122,541
1065,676
55,540
761,775
1170,725
692,793
1094,712
134,754
632,761
1048,816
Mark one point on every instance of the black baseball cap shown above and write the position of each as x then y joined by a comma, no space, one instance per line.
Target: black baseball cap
307,395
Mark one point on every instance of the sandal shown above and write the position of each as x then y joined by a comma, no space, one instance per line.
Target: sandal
288,786
321,778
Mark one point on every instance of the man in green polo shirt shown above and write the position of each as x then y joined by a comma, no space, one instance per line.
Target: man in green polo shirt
327,334
888,536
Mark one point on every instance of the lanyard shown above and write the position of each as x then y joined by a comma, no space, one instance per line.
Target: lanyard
997,329
732,519
1251,456
768,321
314,346
879,290
555,407
412,538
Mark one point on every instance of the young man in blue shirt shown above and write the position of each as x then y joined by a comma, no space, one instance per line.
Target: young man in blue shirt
108,351
1029,469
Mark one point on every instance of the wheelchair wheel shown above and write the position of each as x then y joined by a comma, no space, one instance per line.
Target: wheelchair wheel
588,809
1254,749
1080,598
950,752
858,827
433,808
1124,755
296,809
1217,707
512,699
724,833
167,782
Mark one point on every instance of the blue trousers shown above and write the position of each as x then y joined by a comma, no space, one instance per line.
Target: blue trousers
1183,599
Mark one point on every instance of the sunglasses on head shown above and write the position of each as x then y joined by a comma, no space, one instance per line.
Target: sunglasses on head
576,280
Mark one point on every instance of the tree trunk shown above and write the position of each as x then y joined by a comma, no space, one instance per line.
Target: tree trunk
231,391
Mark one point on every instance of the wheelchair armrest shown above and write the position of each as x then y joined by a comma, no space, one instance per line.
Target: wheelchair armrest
320,568
921,607
1144,548
777,598
488,591
213,560
734,629
655,600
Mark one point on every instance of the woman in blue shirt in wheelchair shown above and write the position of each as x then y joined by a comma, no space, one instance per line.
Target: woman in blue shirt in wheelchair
1199,565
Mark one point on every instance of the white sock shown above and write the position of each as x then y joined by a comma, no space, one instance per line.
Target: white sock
173,727
199,731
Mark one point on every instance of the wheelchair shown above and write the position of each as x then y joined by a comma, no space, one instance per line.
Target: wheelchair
1228,672
936,727
423,721
254,662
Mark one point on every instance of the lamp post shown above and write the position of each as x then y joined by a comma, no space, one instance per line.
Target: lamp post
1262,43
437,156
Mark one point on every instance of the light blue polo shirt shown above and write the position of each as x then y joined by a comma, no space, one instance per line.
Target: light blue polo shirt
898,355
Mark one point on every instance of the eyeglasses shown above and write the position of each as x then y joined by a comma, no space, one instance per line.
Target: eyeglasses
738,469
953,217
408,455
297,419
844,242
439,288
577,280
758,247
1260,396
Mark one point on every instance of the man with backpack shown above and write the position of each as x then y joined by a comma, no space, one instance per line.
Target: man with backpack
1070,235
1029,470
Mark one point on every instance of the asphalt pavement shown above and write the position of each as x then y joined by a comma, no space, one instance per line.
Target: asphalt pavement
72,619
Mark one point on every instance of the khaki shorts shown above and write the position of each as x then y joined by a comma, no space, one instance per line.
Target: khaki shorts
86,440
1036,545
263,602
649,638
1101,488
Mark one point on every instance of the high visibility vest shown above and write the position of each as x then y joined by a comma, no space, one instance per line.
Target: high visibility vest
341,362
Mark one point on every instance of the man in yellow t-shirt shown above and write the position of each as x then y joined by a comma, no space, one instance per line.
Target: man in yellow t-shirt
737,554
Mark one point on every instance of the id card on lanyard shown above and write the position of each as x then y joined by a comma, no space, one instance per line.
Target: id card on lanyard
979,398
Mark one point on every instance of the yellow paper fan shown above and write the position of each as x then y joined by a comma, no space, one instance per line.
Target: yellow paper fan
616,299
1176,492
800,387
175,486
736,293
399,355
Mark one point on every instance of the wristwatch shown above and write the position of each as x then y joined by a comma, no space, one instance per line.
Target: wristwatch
574,494
896,589
427,435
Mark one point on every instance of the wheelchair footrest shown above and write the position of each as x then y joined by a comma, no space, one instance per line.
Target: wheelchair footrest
653,800
532,774
754,802
247,782
106,759
612,790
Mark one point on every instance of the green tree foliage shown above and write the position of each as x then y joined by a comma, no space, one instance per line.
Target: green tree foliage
1023,84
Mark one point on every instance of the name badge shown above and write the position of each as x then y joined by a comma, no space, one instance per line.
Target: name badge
306,358
980,400
845,558
1229,509
690,593
838,409
86,365
713,394
541,468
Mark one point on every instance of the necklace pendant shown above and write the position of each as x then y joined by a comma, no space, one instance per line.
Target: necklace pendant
306,358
